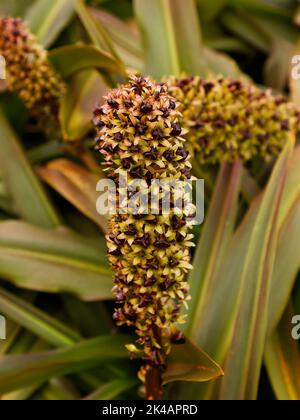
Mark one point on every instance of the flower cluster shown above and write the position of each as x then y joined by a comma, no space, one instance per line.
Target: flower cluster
28,71
230,120
138,132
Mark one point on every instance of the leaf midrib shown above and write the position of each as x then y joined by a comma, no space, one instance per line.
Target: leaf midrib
55,12
174,56
252,251
58,259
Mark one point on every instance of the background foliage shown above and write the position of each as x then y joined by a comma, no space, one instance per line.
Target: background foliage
55,280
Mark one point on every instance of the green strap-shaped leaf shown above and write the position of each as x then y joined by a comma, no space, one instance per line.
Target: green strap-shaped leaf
244,359
34,346
262,7
126,40
15,8
77,185
12,331
217,231
204,317
21,371
291,191
174,45
84,91
47,18
282,359
219,63
244,29
112,389
27,192
74,58
209,10
219,316
287,265
54,261
36,321
44,326
95,29
60,389
85,317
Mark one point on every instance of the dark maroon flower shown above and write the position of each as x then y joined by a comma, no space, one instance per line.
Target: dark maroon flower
176,129
169,155
154,264
182,153
208,87
131,230
143,241
152,154
108,148
173,262
118,316
178,223
219,123
172,105
285,125
137,173
158,134
146,108
233,121
162,242
114,104
141,129
126,163
119,136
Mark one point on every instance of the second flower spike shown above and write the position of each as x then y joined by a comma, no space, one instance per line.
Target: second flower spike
28,71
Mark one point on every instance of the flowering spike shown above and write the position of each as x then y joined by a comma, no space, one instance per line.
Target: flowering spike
231,120
138,132
28,71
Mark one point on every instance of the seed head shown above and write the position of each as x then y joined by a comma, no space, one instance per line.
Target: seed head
230,120
28,71
149,260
